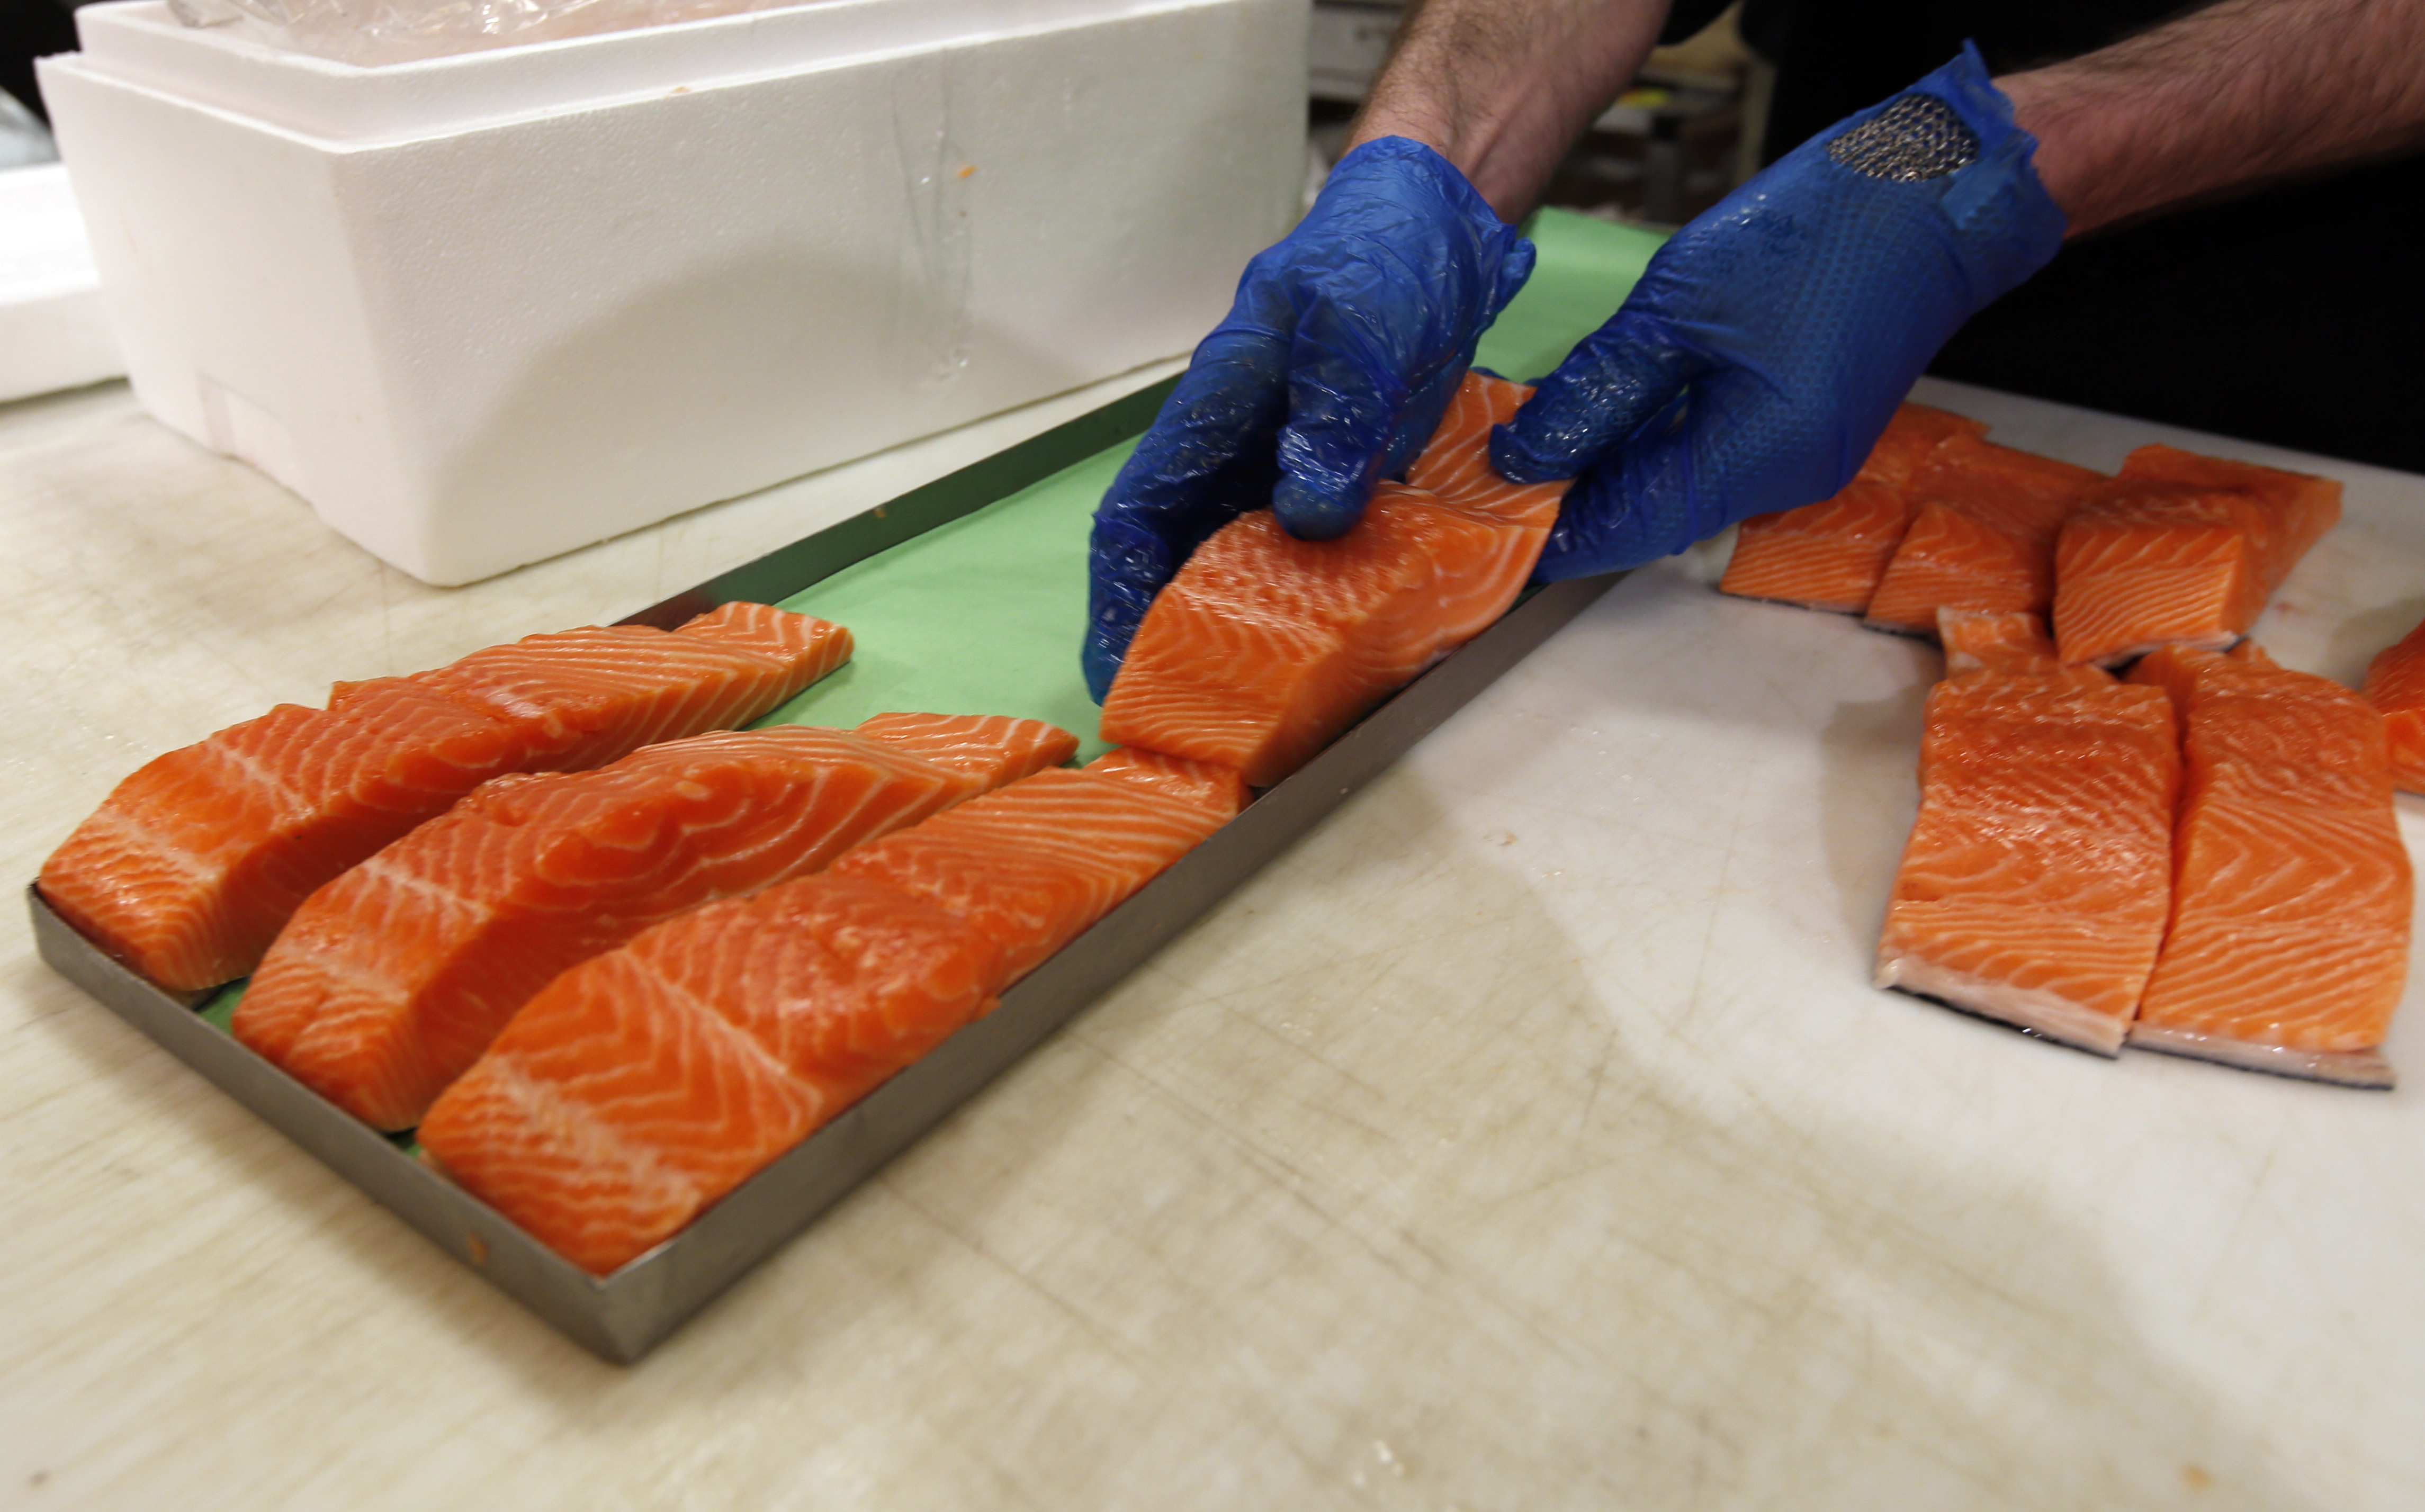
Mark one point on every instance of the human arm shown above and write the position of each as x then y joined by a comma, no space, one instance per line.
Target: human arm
2232,95
1502,88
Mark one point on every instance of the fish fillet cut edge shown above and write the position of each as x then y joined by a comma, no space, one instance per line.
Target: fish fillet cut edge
2343,1068
2032,1009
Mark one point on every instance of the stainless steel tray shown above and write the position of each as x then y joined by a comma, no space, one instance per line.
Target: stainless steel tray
621,1316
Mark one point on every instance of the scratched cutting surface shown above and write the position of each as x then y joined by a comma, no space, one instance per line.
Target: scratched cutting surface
1525,1138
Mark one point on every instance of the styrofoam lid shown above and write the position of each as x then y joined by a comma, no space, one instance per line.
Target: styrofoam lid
139,42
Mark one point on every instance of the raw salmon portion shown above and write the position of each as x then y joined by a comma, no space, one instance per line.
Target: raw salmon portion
1036,863
1454,465
391,980
1827,556
1831,555
2299,507
2288,945
2037,882
643,1084
189,869
2182,548
2149,562
1219,788
1264,646
989,749
587,697
779,635
2395,684
2013,644
1911,442
1982,535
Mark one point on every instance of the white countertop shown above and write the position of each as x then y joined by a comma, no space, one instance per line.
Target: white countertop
1527,1138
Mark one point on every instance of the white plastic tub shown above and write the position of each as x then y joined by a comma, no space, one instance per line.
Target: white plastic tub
483,309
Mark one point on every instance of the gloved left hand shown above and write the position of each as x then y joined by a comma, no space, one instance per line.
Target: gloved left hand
1342,352
1768,342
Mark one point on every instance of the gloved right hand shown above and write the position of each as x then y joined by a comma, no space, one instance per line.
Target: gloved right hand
1757,359
1343,348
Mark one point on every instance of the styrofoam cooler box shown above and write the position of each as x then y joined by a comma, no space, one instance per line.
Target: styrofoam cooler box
52,333
480,309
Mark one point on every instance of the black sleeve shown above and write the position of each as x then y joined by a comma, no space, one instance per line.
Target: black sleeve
1687,17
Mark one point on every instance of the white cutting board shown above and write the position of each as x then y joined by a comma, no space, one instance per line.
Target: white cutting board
1526,1138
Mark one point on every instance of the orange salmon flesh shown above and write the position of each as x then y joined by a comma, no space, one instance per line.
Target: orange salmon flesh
643,1084
191,867
1830,555
1265,647
392,979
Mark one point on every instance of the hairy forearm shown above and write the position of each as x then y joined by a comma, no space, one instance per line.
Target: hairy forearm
1501,87
2234,94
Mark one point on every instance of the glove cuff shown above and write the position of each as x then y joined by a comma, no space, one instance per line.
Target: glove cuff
1390,160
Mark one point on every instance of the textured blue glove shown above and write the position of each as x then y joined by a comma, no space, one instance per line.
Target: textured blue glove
1768,342
1333,368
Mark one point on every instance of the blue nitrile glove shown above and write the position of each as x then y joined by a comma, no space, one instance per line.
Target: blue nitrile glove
1768,342
1339,357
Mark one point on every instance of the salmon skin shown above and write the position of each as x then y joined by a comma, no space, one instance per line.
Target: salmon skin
1265,647
2181,550
1981,536
192,865
1830,555
2037,882
2288,945
644,1085
392,979
2395,684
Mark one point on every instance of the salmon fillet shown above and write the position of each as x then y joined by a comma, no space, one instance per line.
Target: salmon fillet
1909,445
2288,945
645,1084
2148,563
1981,536
1218,788
1830,555
2299,507
1454,465
391,980
1264,646
2037,879
1033,865
2010,644
2181,549
192,865
2395,684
